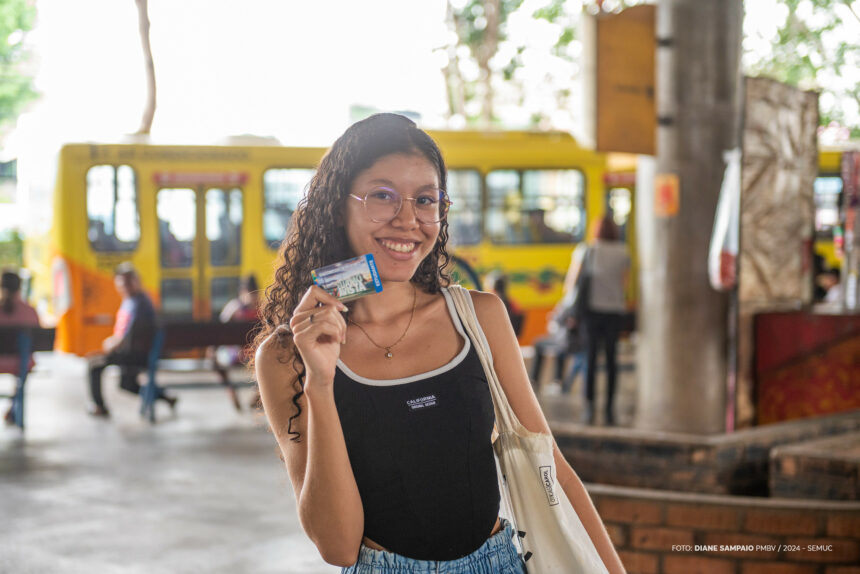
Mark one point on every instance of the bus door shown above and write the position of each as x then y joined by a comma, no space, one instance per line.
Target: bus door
200,249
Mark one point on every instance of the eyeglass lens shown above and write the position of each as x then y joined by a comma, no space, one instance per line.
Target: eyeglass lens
383,204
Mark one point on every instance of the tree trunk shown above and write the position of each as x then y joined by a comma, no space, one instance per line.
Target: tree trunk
454,84
487,49
682,354
149,106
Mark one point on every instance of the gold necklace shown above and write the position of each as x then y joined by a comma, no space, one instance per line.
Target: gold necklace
388,354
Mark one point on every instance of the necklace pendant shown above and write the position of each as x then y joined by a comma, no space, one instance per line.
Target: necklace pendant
388,354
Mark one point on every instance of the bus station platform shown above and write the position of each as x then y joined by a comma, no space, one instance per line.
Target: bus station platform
203,490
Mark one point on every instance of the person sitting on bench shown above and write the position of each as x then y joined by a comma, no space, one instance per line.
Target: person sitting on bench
14,312
130,342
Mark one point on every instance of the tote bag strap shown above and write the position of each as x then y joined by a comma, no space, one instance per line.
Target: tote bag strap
505,417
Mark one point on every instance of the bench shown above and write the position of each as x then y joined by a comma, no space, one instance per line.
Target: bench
181,336
23,342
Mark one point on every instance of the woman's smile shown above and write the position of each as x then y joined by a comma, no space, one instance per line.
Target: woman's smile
399,248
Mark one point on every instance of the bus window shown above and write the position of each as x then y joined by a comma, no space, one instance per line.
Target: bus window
464,219
177,300
282,190
827,190
177,226
503,207
224,226
536,206
114,223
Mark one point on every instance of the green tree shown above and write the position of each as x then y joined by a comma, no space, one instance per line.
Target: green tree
484,62
16,86
479,27
813,44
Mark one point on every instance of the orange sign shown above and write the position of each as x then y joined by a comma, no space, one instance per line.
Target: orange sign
667,195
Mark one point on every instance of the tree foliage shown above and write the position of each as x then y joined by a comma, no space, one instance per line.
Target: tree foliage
16,86
484,70
813,48
478,26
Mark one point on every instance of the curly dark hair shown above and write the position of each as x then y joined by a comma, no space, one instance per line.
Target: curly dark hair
316,235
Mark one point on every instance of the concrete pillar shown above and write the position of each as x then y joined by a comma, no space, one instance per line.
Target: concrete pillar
682,349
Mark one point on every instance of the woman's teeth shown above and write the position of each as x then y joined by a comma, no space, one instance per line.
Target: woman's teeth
399,247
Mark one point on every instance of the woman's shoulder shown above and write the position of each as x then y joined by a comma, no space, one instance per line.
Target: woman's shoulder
489,308
273,350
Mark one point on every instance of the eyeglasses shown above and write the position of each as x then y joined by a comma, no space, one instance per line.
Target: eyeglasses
382,204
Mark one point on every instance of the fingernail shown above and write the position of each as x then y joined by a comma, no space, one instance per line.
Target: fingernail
343,308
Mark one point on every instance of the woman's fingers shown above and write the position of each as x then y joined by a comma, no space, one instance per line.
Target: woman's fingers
312,330
316,296
316,314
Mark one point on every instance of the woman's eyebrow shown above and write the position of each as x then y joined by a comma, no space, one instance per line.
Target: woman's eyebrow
388,183
381,181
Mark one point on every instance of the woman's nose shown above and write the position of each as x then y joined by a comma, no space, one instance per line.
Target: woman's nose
408,213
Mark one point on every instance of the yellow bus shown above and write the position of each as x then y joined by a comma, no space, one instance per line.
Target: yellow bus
194,219
828,198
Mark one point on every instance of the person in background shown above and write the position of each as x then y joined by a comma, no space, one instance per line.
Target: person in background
565,338
831,280
554,343
498,283
14,311
242,308
607,263
819,266
129,345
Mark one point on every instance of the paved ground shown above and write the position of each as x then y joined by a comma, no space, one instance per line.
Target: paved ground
201,491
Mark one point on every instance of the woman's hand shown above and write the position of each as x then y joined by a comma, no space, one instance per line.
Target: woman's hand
319,329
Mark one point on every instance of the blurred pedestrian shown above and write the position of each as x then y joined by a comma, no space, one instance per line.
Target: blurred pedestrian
242,308
498,283
606,263
553,344
14,312
130,343
830,280
565,338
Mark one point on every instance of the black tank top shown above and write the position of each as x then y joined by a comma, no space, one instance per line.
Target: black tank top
421,455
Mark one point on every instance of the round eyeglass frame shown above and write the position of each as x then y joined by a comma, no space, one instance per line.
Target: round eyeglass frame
445,205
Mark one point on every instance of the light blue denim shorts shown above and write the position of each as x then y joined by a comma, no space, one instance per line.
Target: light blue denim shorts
497,555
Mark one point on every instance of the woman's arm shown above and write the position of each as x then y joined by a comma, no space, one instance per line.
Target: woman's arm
327,497
508,363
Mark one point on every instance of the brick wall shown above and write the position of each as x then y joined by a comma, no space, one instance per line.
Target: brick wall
825,468
734,463
645,525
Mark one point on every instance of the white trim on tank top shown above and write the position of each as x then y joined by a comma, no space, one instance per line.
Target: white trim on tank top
438,371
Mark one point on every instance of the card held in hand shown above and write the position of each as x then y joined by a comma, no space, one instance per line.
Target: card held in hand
349,279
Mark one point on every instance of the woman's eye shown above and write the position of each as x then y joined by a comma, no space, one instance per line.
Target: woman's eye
427,200
382,195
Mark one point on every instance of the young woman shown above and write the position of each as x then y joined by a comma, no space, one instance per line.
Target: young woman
381,408
608,266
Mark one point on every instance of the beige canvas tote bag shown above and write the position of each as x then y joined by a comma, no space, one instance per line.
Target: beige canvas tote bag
552,536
